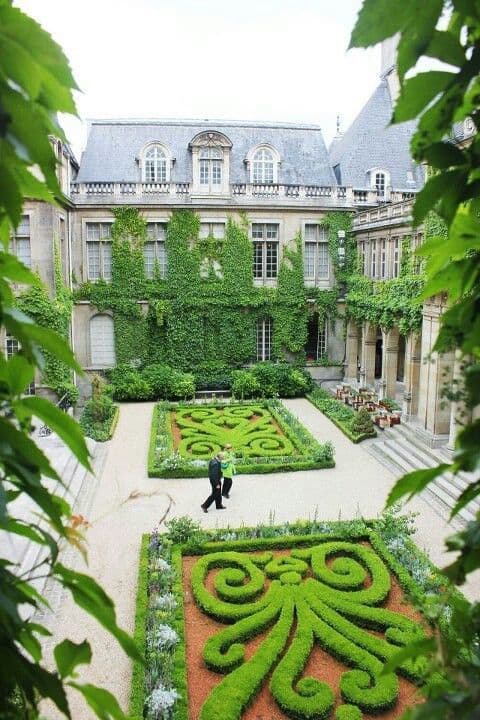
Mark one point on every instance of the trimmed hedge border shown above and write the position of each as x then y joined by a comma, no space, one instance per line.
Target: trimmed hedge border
223,653
317,402
107,430
312,454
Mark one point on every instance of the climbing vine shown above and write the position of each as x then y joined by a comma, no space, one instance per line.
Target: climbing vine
207,306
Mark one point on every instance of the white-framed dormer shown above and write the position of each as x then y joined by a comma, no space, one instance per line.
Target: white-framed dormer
263,162
210,163
155,163
379,180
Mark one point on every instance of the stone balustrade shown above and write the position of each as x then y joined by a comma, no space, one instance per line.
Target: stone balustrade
399,208
240,193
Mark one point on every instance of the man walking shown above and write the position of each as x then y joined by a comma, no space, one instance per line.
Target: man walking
228,470
215,477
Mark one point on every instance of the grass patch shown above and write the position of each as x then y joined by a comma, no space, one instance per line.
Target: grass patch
340,414
265,436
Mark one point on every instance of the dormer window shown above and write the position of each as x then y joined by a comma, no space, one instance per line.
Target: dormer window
263,162
379,182
210,163
156,164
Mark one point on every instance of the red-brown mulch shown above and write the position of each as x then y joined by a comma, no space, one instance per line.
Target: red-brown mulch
201,681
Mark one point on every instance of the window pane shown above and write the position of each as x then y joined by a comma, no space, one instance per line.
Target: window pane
257,230
218,230
322,340
162,258
272,260
311,232
23,251
105,230
102,344
93,260
24,226
11,346
322,250
216,172
257,260
203,172
107,260
272,231
156,231
309,261
93,231
149,256
267,342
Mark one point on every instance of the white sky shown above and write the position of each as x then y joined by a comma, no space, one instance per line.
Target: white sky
224,59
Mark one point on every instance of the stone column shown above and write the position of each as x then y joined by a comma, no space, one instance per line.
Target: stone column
369,339
435,374
389,363
413,356
351,360
459,413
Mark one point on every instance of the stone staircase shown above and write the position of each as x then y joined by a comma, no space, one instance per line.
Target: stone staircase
402,450
77,487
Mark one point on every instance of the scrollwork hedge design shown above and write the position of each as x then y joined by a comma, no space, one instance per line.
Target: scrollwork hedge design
330,594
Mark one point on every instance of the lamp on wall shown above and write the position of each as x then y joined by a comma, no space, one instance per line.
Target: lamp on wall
341,247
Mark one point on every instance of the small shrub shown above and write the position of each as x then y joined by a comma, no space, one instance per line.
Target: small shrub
70,390
362,423
129,384
159,377
245,385
213,375
183,529
97,417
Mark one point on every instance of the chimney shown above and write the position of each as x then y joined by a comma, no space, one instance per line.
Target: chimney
388,68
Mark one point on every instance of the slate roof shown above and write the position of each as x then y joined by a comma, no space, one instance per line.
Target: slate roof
113,146
371,143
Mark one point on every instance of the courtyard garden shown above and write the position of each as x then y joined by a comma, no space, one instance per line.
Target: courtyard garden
265,437
292,621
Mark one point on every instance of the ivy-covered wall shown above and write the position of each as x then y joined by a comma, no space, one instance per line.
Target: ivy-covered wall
207,306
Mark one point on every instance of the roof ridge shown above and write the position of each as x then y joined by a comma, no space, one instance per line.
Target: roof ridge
205,121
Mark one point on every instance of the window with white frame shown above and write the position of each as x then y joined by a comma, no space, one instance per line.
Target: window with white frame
210,169
102,341
154,250
155,167
264,339
383,257
212,229
396,257
316,257
361,256
263,167
265,250
373,256
99,250
380,183
20,242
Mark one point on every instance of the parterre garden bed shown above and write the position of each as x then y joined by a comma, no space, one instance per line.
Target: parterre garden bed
292,621
265,437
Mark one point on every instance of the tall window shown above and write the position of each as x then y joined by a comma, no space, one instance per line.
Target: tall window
155,165
99,251
210,166
396,256
102,342
264,339
316,346
20,243
212,229
362,256
316,258
263,167
383,258
380,183
374,258
154,250
265,250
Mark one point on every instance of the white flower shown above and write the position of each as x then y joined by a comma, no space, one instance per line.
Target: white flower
160,701
165,602
162,565
164,637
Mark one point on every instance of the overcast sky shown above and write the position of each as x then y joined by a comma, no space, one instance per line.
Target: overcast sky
226,59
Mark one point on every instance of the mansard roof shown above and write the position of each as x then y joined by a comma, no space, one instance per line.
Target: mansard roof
114,146
370,142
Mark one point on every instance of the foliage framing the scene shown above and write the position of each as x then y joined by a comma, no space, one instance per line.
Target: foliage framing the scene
438,99
35,84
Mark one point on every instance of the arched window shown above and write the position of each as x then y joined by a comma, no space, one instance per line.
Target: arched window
102,341
263,167
155,167
210,159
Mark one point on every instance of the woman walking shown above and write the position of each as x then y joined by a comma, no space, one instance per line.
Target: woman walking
228,469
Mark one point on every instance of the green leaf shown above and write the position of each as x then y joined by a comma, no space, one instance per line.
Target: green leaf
445,47
418,92
61,423
434,189
417,35
414,482
88,595
18,373
68,655
13,440
412,651
469,494
104,705
379,20
444,155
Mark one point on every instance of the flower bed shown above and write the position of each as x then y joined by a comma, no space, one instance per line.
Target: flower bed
340,414
280,621
265,436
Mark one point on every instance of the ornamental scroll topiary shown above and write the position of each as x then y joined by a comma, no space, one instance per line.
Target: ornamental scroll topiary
330,594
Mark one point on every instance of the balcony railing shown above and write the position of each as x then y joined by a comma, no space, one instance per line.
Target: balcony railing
400,209
240,193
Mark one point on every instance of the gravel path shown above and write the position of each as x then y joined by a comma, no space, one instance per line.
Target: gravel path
358,485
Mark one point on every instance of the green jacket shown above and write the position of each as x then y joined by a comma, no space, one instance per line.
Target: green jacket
228,465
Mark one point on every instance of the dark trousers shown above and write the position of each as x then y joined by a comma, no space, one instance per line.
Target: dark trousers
216,496
227,485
